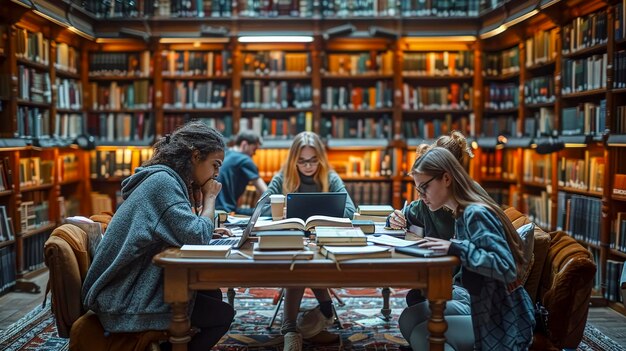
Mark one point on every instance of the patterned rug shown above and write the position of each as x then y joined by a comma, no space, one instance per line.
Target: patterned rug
363,329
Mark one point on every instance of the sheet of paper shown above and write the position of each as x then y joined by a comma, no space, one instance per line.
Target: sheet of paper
389,240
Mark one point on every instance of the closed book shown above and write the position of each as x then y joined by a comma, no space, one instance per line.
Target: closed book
280,240
375,210
415,250
375,219
367,226
342,253
205,251
299,224
304,253
340,236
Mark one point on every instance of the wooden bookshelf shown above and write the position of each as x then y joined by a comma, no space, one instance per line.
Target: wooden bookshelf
508,92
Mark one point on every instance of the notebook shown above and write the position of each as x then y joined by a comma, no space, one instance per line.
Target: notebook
238,242
305,205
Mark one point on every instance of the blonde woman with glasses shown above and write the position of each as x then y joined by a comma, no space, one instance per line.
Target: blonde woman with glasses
307,170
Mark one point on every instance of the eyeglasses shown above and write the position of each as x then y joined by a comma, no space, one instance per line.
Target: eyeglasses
421,189
312,162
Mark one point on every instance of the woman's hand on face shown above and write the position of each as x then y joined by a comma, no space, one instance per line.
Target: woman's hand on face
397,220
436,244
211,188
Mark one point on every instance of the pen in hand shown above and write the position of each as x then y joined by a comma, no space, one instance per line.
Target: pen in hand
397,219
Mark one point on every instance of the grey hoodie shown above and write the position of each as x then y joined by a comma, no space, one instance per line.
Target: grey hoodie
123,287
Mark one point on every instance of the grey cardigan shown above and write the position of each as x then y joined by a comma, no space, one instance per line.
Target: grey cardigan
123,287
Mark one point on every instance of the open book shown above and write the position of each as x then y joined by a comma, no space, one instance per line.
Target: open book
299,224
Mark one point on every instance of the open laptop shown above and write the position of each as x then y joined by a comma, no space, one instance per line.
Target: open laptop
238,242
305,205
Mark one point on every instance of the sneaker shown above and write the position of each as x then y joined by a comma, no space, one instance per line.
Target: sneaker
312,322
292,342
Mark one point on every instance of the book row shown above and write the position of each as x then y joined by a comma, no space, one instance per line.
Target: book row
293,8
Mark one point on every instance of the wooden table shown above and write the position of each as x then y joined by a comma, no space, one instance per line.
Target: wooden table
182,275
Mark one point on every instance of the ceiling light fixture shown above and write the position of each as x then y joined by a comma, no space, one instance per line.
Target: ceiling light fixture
339,31
276,39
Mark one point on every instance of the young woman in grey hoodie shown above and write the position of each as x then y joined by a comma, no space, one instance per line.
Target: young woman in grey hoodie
123,287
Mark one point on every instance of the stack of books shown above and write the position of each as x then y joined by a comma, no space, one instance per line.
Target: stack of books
376,213
281,245
339,236
280,240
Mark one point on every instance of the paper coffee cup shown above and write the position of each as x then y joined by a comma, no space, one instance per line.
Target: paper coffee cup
278,203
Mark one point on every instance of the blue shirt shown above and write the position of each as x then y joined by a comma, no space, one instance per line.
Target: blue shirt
236,172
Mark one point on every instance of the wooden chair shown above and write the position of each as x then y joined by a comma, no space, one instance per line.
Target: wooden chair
67,257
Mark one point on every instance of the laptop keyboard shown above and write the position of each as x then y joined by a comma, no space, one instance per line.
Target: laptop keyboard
225,241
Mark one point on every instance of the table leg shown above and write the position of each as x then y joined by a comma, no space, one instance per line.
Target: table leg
386,311
175,293
179,329
437,325
439,291
231,296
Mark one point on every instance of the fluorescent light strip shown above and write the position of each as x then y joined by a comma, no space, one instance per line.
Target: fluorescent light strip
192,40
63,24
80,32
521,18
443,39
276,39
50,18
493,32
507,25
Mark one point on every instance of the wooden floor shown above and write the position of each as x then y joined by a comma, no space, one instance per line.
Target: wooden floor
15,305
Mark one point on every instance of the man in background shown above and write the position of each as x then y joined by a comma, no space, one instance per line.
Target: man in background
237,171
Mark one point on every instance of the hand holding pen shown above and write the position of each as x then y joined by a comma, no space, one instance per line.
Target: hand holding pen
397,219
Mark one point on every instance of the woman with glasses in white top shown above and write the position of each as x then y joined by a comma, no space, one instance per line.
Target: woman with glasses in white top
307,170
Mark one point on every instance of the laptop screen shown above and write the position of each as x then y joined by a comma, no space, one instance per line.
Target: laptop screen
255,216
305,205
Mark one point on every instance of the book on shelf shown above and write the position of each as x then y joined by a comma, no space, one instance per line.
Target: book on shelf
622,283
205,251
619,184
375,210
280,240
340,236
342,253
6,225
299,224
367,226
304,253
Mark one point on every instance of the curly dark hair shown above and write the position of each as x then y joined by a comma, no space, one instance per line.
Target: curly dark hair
176,150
